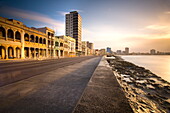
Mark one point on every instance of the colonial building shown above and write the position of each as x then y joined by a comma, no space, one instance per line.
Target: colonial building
19,41
51,40
84,48
90,48
65,46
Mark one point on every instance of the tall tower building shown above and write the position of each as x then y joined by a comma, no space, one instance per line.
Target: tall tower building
126,50
74,28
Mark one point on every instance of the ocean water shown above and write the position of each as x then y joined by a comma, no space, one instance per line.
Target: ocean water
158,64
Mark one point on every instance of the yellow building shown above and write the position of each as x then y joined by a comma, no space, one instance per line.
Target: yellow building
18,41
69,44
84,48
59,47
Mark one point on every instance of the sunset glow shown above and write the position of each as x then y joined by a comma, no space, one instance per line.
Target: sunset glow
139,25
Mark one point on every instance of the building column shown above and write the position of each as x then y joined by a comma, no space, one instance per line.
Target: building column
6,53
6,37
14,50
46,52
14,35
54,53
34,53
58,53
29,52
39,52
22,45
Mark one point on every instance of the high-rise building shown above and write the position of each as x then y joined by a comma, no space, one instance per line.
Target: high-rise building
152,51
119,52
74,28
126,50
108,50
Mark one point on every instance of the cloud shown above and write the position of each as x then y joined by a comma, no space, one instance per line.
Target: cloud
30,15
168,12
157,27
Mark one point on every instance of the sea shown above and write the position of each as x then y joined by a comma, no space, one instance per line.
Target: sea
158,64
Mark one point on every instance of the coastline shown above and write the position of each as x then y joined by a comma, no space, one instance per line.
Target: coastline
146,92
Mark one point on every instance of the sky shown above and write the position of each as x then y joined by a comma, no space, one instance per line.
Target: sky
140,25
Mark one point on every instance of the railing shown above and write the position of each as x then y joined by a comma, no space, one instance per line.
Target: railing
10,39
17,40
2,38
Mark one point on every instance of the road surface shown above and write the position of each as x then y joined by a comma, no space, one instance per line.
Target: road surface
56,88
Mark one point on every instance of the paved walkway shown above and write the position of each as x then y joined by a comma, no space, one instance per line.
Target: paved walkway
56,91
103,93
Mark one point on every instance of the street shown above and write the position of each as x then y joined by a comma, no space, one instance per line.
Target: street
50,86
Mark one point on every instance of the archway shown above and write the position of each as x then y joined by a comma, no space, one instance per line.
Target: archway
45,53
17,36
44,41
10,35
61,53
56,53
32,38
36,39
26,52
41,53
37,53
26,37
2,52
10,53
41,40
2,33
32,52
18,52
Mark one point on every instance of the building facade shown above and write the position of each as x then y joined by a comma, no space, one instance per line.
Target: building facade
108,50
90,48
102,51
126,50
152,51
18,41
74,29
50,40
65,46
84,48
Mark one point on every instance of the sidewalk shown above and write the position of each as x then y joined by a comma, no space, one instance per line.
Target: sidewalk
103,93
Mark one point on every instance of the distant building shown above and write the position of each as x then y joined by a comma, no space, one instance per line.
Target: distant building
152,51
74,29
90,48
84,48
96,51
119,52
108,50
126,50
102,51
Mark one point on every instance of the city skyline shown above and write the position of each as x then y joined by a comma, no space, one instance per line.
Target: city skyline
139,25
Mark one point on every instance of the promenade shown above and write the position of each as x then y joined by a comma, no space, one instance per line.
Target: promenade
65,88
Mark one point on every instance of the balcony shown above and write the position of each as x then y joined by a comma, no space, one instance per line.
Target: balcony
2,38
16,40
10,39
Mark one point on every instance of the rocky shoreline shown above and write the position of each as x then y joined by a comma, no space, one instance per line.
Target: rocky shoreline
146,92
